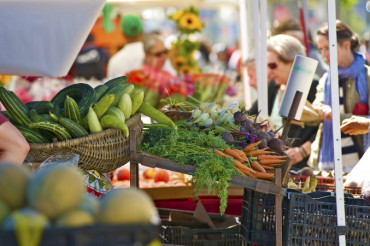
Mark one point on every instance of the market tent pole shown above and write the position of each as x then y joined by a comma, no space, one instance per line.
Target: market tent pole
260,50
341,221
244,48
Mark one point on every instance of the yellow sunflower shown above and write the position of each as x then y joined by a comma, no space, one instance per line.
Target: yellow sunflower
190,21
180,61
178,14
4,79
185,69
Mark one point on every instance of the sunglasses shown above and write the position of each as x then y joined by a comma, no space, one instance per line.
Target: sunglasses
160,53
272,65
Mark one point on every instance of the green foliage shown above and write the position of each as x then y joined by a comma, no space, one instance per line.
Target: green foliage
194,147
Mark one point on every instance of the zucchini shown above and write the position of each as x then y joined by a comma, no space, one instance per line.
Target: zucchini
34,116
32,136
74,128
82,93
19,102
125,105
41,107
71,110
93,121
137,99
60,132
103,104
111,121
118,91
16,112
156,115
117,112
100,90
116,81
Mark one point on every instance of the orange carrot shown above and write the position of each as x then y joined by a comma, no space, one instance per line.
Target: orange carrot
251,146
241,166
271,161
256,166
271,165
275,157
268,176
233,154
259,152
266,167
239,171
246,172
219,152
241,153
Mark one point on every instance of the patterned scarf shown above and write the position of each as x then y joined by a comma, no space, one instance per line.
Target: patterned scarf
356,70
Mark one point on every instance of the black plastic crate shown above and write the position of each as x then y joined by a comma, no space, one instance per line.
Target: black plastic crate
180,235
313,221
308,219
91,236
258,217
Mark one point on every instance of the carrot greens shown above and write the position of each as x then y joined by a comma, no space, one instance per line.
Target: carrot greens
194,147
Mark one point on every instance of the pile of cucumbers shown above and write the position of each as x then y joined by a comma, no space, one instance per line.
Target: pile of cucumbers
78,110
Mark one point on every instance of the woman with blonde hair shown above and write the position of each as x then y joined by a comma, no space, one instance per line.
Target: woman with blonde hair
281,51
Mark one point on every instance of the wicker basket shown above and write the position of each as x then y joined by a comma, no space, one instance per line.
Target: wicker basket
177,115
103,152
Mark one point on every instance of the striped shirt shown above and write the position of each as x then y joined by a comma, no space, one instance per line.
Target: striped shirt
350,154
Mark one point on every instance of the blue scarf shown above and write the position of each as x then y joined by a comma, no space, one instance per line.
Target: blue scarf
356,70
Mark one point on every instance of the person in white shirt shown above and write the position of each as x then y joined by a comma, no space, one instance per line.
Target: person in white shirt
131,56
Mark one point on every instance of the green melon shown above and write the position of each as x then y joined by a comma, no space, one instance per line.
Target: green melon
56,189
75,218
90,204
13,184
127,206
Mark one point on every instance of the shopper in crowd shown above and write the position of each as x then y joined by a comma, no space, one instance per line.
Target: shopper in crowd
292,27
13,146
281,51
91,62
272,88
354,82
131,56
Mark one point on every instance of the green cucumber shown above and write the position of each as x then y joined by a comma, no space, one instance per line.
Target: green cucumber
111,121
74,128
13,107
103,104
100,90
156,115
32,136
116,81
71,110
60,132
82,93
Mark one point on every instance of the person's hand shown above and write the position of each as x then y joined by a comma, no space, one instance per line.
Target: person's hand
295,154
356,125
324,111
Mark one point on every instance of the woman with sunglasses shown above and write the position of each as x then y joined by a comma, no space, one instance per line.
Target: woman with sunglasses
354,88
281,51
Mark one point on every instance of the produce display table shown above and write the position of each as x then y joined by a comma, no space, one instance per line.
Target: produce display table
266,187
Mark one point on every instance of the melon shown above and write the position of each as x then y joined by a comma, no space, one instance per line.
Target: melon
75,218
28,224
90,204
13,184
4,211
127,206
56,189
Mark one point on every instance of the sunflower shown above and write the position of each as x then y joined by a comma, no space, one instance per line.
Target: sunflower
185,69
180,61
190,21
178,14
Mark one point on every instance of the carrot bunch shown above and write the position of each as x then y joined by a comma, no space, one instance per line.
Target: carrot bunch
254,162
